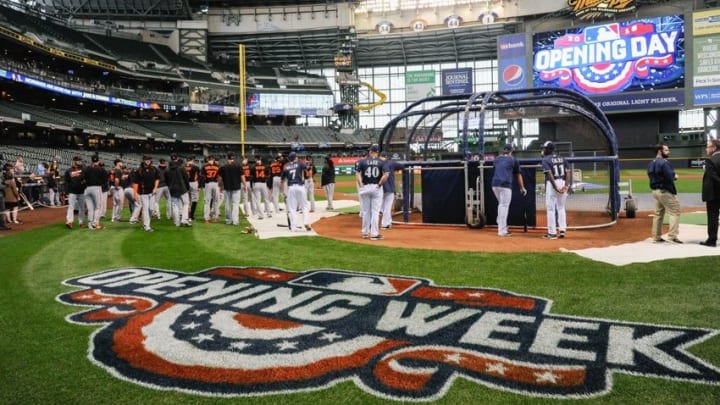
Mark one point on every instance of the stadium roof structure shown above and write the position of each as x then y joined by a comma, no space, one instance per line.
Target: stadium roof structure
312,49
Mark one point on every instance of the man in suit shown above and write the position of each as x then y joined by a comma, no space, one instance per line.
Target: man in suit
711,190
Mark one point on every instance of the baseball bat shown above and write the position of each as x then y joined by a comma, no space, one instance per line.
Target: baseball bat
525,220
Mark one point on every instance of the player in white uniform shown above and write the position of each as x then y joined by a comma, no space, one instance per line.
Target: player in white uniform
371,173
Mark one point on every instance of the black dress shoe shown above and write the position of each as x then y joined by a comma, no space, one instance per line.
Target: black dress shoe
708,243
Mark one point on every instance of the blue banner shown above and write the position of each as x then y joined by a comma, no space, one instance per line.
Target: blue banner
706,96
457,81
512,62
655,100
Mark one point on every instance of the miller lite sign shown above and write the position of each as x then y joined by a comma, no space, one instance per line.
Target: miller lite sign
592,9
234,331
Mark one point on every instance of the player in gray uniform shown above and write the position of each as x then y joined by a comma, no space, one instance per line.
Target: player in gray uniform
293,184
178,185
505,168
209,171
259,175
557,183
310,172
371,173
193,174
116,190
75,187
276,169
388,192
230,181
95,176
126,182
162,192
145,186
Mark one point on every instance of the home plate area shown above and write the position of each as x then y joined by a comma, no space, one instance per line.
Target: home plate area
277,225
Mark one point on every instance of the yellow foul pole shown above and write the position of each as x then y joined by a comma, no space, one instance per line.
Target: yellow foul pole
243,99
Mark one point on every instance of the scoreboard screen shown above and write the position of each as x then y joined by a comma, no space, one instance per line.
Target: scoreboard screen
628,56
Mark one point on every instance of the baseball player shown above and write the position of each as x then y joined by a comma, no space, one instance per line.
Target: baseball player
310,172
246,192
371,173
557,183
162,192
126,182
293,184
116,190
178,186
258,181
276,168
212,191
95,176
230,181
145,186
75,184
360,200
193,174
388,191
506,167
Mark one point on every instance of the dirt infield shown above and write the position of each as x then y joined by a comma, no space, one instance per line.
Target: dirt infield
347,228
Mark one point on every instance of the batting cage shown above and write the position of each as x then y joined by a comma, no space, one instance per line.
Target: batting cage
453,187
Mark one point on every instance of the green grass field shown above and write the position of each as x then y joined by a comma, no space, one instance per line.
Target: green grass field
45,358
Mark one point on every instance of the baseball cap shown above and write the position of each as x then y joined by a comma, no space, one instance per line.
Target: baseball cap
508,146
77,159
548,145
173,157
147,157
95,159
231,156
374,148
292,156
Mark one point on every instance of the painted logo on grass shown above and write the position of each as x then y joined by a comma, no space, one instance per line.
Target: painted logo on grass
254,331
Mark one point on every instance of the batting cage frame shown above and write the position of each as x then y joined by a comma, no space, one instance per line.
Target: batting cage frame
457,191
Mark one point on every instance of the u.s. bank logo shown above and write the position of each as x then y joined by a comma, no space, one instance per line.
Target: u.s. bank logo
255,331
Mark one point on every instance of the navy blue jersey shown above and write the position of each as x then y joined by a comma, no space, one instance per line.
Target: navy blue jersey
293,173
391,166
505,167
371,169
554,166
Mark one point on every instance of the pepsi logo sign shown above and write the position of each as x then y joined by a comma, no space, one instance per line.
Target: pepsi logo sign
513,75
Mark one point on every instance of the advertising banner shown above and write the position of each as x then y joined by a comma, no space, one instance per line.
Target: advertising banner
706,58
419,84
457,81
706,22
512,62
620,57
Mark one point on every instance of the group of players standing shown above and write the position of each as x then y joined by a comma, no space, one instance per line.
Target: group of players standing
255,186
